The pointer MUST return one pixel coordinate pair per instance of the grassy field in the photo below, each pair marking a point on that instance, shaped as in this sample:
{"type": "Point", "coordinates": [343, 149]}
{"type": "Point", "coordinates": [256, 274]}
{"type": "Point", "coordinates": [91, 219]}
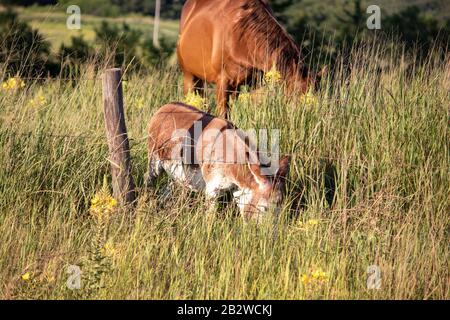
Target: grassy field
{"type": "Point", "coordinates": [51, 21]}
{"type": "Point", "coordinates": [370, 158]}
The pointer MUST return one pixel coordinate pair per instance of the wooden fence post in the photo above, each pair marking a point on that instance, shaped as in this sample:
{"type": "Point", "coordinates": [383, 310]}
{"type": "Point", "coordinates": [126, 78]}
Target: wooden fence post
{"type": "Point", "coordinates": [116, 133]}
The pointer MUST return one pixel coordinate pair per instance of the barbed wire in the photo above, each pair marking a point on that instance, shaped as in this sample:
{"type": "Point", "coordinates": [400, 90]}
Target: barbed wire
{"type": "Point", "coordinates": [60, 136]}
{"type": "Point", "coordinates": [57, 79]}
{"type": "Point", "coordinates": [255, 89]}
{"type": "Point", "coordinates": [141, 140]}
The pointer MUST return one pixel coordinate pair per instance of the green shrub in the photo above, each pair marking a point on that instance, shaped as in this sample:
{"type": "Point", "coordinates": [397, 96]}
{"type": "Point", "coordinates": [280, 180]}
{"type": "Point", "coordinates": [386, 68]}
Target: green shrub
{"type": "Point", "coordinates": [102, 8]}
{"type": "Point", "coordinates": [23, 50]}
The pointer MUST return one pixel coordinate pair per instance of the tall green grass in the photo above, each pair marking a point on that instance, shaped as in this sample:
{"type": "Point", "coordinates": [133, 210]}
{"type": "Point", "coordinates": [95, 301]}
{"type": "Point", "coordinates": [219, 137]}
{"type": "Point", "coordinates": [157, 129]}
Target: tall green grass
{"type": "Point", "coordinates": [370, 164]}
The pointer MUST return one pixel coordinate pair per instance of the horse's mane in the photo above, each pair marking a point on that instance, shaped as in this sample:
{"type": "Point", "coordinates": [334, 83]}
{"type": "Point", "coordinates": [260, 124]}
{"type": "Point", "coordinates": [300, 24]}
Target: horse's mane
{"type": "Point", "coordinates": [258, 23]}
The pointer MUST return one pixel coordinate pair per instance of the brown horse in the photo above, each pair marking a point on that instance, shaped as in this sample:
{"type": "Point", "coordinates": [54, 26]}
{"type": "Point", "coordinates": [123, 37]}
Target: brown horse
{"type": "Point", "coordinates": [226, 41]}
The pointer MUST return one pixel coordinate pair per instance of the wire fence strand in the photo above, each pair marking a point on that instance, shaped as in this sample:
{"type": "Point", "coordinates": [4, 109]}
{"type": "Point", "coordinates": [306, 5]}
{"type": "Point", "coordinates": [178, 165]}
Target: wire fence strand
{"type": "Point", "coordinates": [254, 90]}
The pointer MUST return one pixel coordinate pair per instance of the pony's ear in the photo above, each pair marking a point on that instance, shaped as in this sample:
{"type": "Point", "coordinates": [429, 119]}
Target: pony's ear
{"type": "Point", "coordinates": [283, 168]}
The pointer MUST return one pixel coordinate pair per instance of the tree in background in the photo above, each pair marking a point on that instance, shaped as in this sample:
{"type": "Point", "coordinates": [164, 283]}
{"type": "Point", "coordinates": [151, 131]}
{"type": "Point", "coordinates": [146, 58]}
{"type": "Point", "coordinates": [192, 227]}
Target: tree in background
{"type": "Point", "coordinates": [123, 40]}
{"type": "Point", "coordinates": [129, 48]}
{"type": "Point", "coordinates": [354, 19]}
{"type": "Point", "coordinates": [73, 56]}
{"type": "Point", "coordinates": [417, 30]}
{"type": "Point", "coordinates": [324, 28]}
{"type": "Point", "coordinates": [152, 56]}
{"type": "Point", "coordinates": [23, 50]}
{"type": "Point", "coordinates": [79, 51]}
{"type": "Point", "coordinates": [103, 8]}
{"type": "Point", "coordinates": [28, 2]}
{"type": "Point", "coordinates": [170, 9]}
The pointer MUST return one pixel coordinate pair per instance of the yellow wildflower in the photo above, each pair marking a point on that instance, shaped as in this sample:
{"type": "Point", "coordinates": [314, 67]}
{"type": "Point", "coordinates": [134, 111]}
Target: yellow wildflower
{"type": "Point", "coordinates": [272, 77]}
{"type": "Point", "coordinates": [37, 102]}
{"type": "Point", "coordinates": [244, 97]}
{"type": "Point", "coordinates": [109, 249]}
{"type": "Point", "coordinates": [50, 270]}
{"type": "Point", "coordinates": [309, 99]}
{"type": "Point", "coordinates": [319, 275]}
{"type": "Point", "coordinates": [47, 277]}
{"type": "Point", "coordinates": [308, 224]}
{"type": "Point", "coordinates": [102, 205]}
{"type": "Point", "coordinates": [195, 100]}
{"type": "Point", "coordinates": [26, 276]}
{"type": "Point", "coordinates": [305, 279]}
{"type": "Point", "coordinates": [140, 103]}
{"type": "Point", "coordinates": [13, 84]}
{"type": "Point", "coordinates": [314, 279]}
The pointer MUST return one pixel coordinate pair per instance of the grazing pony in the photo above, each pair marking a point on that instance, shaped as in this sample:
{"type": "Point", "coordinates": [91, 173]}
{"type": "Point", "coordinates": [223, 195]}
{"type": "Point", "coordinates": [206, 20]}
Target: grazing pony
{"type": "Point", "coordinates": [226, 41]}
{"type": "Point", "coordinates": [205, 153]}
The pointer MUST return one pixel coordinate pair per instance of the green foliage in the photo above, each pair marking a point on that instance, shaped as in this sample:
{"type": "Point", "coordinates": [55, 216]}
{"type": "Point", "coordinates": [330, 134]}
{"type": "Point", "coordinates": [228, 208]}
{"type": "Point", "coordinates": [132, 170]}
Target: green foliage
{"type": "Point", "coordinates": [74, 56]}
{"type": "Point", "coordinates": [98, 7]}
{"type": "Point", "coordinates": [328, 27]}
{"type": "Point", "coordinates": [78, 52]}
{"type": "Point", "coordinates": [98, 263]}
{"type": "Point", "coordinates": [123, 40]}
{"type": "Point", "coordinates": [23, 50]}
{"type": "Point", "coordinates": [128, 47]}
{"type": "Point", "coordinates": [170, 9]}
{"type": "Point", "coordinates": [416, 29]}
{"type": "Point", "coordinates": [120, 45]}
{"type": "Point", "coordinates": [28, 2]}
{"type": "Point", "coordinates": [156, 56]}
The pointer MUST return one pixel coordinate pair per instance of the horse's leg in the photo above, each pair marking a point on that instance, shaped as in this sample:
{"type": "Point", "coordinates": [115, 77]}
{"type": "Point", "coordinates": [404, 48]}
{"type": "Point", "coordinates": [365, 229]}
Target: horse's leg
{"type": "Point", "coordinates": [199, 86]}
{"type": "Point", "coordinates": [193, 84]}
{"type": "Point", "coordinates": [166, 193]}
{"type": "Point", "coordinates": [212, 192]}
{"type": "Point", "coordinates": [189, 82]}
{"type": "Point", "coordinates": [154, 170]}
{"type": "Point", "coordinates": [223, 94]}
{"type": "Point", "coordinates": [234, 94]}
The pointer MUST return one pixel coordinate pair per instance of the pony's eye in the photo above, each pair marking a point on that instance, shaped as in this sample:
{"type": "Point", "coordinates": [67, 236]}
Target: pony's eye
{"type": "Point", "coordinates": [262, 208]}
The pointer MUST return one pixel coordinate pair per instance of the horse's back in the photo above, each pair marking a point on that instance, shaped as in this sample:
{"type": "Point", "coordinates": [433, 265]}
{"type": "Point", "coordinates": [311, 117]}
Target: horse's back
{"type": "Point", "coordinates": [212, 38]}
{"type": "Point", "coordinates": [197, 43]}
{"type": "Point", "coordinates": [177, 116]}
